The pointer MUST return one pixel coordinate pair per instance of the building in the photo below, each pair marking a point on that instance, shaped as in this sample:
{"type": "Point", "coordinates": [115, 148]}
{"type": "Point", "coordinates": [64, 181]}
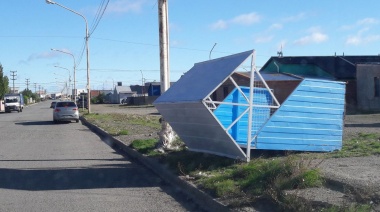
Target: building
{"type": "Point", "coordinates": [368, 87]}
{"type": "Point", "coordinates": [14, 89]}
{"type": "Point", "coordinates": [340, 68]}
{"type": "Point", "coordinates": [140, 90]}
{"type": "Point", "coordinates": [121, 93]}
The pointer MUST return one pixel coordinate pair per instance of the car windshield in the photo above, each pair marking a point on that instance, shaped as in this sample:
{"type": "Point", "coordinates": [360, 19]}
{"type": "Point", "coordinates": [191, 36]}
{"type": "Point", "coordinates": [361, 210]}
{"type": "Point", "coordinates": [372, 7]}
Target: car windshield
{"type": "Point", "coordinates": [11, 100]}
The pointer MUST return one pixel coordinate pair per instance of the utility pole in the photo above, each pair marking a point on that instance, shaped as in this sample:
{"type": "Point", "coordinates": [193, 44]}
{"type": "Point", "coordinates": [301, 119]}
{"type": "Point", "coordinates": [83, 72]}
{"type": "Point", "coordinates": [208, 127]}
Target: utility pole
{"type": "Point", "coordinates": [35, 88]}
{"type": "Point", "coordinates": [39, 90]}
{"type": "Point", "coordinates": [27, 84]}
{"type": "Point", "coordinates": [142, 83]}
{"type": "Point", "coordinates": [167, 134]}
{"type": "Point", "coordinates": [13, 75]}
{"type": "Point", "coordinates": [164, 44]}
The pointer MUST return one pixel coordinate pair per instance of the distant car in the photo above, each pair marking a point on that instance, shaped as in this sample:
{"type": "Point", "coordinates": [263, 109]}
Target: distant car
{"type": "Point", "coordinates": [52, 105]}
{"type": "Point", "coordinates": [65, 111]}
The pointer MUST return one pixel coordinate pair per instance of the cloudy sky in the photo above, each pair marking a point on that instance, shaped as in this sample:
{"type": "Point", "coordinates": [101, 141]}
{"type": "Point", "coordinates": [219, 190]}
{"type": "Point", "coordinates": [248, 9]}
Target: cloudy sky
{"type": "Point", "coordinates": [124, 46]}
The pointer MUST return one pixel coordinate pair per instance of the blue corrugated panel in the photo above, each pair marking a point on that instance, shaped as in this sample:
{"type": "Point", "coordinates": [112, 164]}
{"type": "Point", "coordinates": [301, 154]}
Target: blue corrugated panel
{"type": "Point", "coordinates": [311, 119]}
{"type": "Point", "coordinates": [226, 114]}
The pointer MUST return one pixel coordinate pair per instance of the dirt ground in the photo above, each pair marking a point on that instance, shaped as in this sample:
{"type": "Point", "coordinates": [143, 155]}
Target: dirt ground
{"type": "Point", "coordinates": [358, 173]}
{"type": "Point", "coordinates": [115, 108]}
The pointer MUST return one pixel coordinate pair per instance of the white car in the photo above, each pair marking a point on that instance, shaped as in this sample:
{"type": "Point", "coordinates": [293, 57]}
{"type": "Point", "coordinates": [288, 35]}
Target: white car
{"type": "Point", "coordinates": [66, 111]}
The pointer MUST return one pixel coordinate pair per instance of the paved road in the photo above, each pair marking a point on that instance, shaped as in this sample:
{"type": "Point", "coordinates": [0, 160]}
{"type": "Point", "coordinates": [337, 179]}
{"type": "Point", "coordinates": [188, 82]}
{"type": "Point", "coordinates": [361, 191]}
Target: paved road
{"type": "Point", "coordinates": [66, 167]}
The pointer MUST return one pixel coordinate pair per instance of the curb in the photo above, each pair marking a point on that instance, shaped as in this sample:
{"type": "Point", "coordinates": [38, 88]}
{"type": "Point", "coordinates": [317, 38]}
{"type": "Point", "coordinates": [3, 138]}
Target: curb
{"type": "Point", "coordinates": [204, 200]}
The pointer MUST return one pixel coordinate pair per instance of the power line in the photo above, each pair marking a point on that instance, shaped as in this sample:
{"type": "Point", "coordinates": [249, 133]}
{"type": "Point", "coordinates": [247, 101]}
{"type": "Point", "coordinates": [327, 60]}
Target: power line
{"type": "Point", "coordinates": [128, 70]}
{"type": "Point", "coordinates": [99, 16]}
{"type": "Point", "coordinates": [119, 41]}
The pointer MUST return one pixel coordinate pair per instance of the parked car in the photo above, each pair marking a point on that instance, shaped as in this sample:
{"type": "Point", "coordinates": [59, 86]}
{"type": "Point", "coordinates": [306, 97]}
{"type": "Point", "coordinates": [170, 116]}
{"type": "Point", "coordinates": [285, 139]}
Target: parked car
{"type": "Point", "coordinates": [52, 105]}
{"type": "Point", "coordinates": [66, 111]}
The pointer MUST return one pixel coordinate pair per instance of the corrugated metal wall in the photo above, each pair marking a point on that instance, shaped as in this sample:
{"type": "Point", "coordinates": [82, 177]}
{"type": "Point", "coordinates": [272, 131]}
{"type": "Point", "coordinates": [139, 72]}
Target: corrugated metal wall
{"type": "Point", "coordinates": [311, 119]}
{"type": "Point", "coordinates": [226, 114]}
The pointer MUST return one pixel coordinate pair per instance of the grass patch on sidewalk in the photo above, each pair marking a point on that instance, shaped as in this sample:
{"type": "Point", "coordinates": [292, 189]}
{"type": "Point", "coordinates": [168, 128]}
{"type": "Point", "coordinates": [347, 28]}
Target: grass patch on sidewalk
{"type": "Point", "coordinates": [145, 146]}
{"type": "Point", "coordinates": [124, 124]}
{"type": "Point", "coordinates": [265, 176]}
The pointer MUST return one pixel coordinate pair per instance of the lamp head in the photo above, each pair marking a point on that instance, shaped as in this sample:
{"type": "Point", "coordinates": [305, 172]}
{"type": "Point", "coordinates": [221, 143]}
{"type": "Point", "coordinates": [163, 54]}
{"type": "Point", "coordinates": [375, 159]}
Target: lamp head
{"type": "Point", "coordinates": [50, 2]}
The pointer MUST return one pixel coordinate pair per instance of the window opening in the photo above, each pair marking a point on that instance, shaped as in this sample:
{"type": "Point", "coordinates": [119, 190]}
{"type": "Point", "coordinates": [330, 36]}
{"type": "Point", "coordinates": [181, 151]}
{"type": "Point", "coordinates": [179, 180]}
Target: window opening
{"type": "Point", "coordinates": [377, 86]}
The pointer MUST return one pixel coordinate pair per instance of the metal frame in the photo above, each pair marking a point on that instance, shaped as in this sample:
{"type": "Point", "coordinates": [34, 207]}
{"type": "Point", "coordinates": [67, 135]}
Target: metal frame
{"type": "Point", "coordinates": [211, 104]}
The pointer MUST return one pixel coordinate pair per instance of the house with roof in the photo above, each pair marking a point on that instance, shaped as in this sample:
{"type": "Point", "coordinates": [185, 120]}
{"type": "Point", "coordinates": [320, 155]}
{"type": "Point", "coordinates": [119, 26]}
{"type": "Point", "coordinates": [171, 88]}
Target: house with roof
{"type": "Point", "coordinates": [154, 88]}
{"type": "Point", "coordinates": [121, 94]}
{"type": "Point", "coordinates": [107, 94]}
{"type": "Point", "coordinates": [361, 74]}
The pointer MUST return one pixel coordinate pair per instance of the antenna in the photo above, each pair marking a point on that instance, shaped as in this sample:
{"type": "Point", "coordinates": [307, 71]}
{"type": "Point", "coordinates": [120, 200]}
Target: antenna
{"type": "Point", "coordinates": [279, 53]}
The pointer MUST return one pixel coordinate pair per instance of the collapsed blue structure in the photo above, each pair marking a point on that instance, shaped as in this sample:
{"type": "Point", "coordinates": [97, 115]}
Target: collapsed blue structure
{"type": "Point", "coordinates": [310, 119]}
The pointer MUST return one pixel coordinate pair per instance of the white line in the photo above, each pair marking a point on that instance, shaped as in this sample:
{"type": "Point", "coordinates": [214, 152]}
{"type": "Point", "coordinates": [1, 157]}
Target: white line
{"type": "Point", "coordinates": [314, 97]}
{"type": "Point", "coordinates": [303, 117]}
{"type": "Point", "coordinates": [303, 128]}
{"type": "Point", "coordinates": [320, 108]}
{"type": "Point", "coordinates": [279, 138]}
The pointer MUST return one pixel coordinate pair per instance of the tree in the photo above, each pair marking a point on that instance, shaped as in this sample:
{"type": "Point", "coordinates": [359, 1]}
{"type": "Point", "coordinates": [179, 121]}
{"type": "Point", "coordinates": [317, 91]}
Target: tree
{"type": "Point", "coordinates": [29, 94]}
{"type": "Point", "coordinates": [100, 99]}
{"type": "Point", "coordinates": [4, 83]}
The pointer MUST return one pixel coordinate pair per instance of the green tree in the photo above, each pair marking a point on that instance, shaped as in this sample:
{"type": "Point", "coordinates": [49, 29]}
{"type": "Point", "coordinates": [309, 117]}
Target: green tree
{"type": "Point", "coordinates": [4, 83]}
{"type": "Point", "coordinates": [100, 99]}
{"type": "Point", "coordinates": [29, 94]}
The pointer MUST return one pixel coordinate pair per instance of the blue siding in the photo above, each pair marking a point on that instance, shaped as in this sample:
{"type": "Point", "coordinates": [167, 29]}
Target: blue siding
{"type": "Point", "coordinates": [311, 119]}
{"type": "Point", "coordinates": [226, 114]}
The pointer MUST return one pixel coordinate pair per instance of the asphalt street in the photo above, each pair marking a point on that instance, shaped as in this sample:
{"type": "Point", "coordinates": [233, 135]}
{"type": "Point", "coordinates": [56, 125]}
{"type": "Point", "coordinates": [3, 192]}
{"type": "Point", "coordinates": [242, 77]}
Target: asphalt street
{"type": "Point", "coordinates": [66, 167]}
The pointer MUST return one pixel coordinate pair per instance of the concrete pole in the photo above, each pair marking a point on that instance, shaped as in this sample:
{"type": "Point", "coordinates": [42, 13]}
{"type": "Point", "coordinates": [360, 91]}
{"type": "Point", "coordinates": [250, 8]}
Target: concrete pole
{"type": "Point", "coordinates": [167, 134]}
{"type": "Point", "coordinates": [164, 44]}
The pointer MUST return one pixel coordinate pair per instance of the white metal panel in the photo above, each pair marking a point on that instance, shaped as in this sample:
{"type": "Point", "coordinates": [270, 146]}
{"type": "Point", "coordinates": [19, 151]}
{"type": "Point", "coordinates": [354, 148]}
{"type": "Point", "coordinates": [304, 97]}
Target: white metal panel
{"type": "Point", "coordinates": [203, 78]}
{"type": "Point", "coordinates": [199, 129]}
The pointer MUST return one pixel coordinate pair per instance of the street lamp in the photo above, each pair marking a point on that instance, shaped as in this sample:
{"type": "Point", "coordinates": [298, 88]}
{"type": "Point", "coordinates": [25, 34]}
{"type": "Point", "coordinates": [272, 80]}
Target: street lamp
{"type": "Point", "coordinates": [87, 51]}
{"type": "Point", "coordinates": [69, 76]}
{"type": "Point", "coordinates": [64, 85]}
{"type": "Point", "coordinates": [75, 91]}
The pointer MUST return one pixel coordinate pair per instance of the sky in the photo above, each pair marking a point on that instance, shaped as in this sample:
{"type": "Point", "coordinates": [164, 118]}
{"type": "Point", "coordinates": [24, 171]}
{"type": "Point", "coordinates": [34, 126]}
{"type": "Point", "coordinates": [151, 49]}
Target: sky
{"type": "Point", "coordinates": [124, 44]}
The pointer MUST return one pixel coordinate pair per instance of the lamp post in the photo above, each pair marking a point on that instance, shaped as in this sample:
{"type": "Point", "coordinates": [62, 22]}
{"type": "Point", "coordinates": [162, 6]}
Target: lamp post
{"type": "Point", "coordinates": [69, 76]}
{"type": "Point", "coordinates": [87, 51]}
{"type": "Point", "coordinates": [64, 85]}
{"type": "Point", "coordinates": [75, 91]}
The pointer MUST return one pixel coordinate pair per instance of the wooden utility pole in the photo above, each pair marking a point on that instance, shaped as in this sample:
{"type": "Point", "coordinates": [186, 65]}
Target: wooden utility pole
{"type": "Point", "coordinates": [164, 44]}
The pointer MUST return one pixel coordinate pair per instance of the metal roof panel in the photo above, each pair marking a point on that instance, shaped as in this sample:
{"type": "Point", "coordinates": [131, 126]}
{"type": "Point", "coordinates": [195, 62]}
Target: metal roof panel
{"type": "Point", "coordinates": [203, 78]}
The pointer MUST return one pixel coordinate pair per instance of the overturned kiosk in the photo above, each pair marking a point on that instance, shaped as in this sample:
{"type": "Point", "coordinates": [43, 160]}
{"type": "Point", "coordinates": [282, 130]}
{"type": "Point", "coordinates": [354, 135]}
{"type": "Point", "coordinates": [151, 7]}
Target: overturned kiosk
{"type": "Point", "coordinates": [251, 117]}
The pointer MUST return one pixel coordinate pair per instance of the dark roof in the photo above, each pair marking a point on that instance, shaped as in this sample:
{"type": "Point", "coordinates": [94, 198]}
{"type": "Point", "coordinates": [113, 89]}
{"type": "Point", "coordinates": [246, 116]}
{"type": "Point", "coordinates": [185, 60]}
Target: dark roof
{"type": "Point", "coordinates": [336, 67]}
{"type": "Point", "coordinates": [271, 76]}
